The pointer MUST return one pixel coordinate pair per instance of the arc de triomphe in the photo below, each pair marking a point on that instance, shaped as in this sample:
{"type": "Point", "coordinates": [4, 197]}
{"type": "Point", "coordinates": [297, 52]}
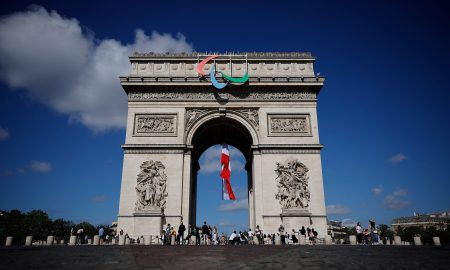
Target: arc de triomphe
{"type": "Point", "coordinates": [174, 115]}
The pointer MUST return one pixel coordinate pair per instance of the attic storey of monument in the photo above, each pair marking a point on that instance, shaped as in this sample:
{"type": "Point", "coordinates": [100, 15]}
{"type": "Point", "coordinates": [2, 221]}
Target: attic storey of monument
{"type": "Point", "coordinates": [174, 114]}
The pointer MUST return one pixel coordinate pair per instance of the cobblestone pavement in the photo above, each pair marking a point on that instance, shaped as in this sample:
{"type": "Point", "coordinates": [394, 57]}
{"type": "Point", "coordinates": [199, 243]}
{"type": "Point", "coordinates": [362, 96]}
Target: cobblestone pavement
{"type": "Point", "coordinates": [225, 257]}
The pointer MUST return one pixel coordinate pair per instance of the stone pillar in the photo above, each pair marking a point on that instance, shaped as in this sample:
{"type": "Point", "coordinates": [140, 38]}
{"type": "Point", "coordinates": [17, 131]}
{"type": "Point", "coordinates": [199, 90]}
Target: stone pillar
{"type": "Point", "coordinates": [193, 240]}
{"type": "Point", "coordinates": [96, 240]}
{"type": "Point", "coordinates": [277, 240]}
{"type": "Point", "coordinates": [50, 239]}
{"type": "Point", "coordinates": [113, 241]}
{"type": "Point", "coordinates": [89, 241]}
{"type": "Point", "coordinates": [172, 240]}
{"type": "Point", "coordinates": [72, 240]}
{"type": "Point", "coordinates": [436, 241]}
{"type": "Point", "coordinates": [29, 240]}
{"type": "Point", "coordinates": [302, 240]}
{"type": "Point", "coordinates": [127, 241]}
{"type": "Point", "coordinates": [9, 241]}
{"type": "Point", "coordinates": [328, 240]}
{"type": "Point", "coordinates": [397, 240]}
{"type": "Point", "coordinates": [388, 242]}
{"type": "Point", "coordinates": [121, 240]}
{"type": "Point", "coordinates": [417, 241]}
{"type": "Point", "coordinates": [352, 239]}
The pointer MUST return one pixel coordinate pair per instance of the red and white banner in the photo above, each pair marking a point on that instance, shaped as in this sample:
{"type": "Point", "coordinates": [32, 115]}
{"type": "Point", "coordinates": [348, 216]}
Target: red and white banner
{"type": "Point", "coordinates": [227, 191]}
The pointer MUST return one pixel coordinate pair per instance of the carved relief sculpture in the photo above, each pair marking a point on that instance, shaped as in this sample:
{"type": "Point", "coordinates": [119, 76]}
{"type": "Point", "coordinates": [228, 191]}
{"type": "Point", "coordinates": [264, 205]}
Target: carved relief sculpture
{"type": "Point", "coordinates": [293, 191]}
{"type": "Point", "coordinates": [289, 125]}
{"type": "Point", "coordinates": [155, 125]}
{"type": "Point", "coordinates": [151, 187]}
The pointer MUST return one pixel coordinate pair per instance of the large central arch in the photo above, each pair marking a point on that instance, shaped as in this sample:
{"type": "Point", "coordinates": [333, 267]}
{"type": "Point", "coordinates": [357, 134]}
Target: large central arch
{"type": "Point", "coordinates": [215, 129]}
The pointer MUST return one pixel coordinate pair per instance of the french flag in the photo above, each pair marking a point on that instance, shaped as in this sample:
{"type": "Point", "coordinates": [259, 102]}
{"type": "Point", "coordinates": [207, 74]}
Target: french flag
{"type": "Point", "coordinates": [227, 191]}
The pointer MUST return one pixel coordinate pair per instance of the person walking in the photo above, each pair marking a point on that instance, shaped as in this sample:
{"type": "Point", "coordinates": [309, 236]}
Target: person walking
{"type": "Point", "coordinates": [205, 232]}
{"type": "Point", "coordinates": [259, 235]}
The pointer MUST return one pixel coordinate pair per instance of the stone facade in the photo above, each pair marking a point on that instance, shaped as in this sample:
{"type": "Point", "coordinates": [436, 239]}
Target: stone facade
{"type": "Point", "coordinates": [274, 113]}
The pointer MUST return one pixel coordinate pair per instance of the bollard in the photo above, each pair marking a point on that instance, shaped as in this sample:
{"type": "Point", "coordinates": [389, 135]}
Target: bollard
{"type": "Point", "coordinates": [89, 241]}
{"type": "Point", "coordinates": [127, 241]}
{"type": "Point", "coordinates": [255, 240]}
{"type": "Point", "coordinates": [96, 240]}
{"type": "Point", "coordinates": [61, 242]}
{"type": "Point", "coordinates": [50, 240]}
{"type": "Point", "coordinates": [277, 240]}
{"type": "Point", "coordinates": [121, 240]}
{"type": "Point", "coordinates": [388, 242]}
{"type": "Point", "coordinates": [352, 239]}
{"type": "Point", "coordinates": [417, 241]}
{"type": "Point", "coordinates": [172, 240]}
{"type": "Point", "coordinates": [113, 241]}
{"type": "Point", "coordinates": [29, 240]}
{"type": "Point", "coordinates": [328, 240]}
{"type": "Point", "coordinates": [72, 240]}
{"type": "Point", "coordinates": [9, 240]}
{"type": "Point", "coordinates": [302, 240]}
{"type": "Point", "coordinates": [193, 240]}
{"type": "Point", "coordinates": [397, 240]}
{"type": "Point", "coordinates": [147, 240]}
{"type": "Point", "coordinates": [436, 241]}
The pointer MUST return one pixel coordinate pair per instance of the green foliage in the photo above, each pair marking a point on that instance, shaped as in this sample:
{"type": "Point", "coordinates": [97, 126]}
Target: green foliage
{"type": "Point", "coordinates": [385, 232]}
{"type": "Point", "coordinates": [37, 223]}
{"type": "Point", "coordinates": [426, 235]}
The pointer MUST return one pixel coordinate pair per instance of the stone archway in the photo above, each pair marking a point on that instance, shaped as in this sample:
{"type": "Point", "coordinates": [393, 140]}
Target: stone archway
{"type": "Point", "coordinates": [174, 115]}
{"type": "Point", "coordinates": [216, 128]}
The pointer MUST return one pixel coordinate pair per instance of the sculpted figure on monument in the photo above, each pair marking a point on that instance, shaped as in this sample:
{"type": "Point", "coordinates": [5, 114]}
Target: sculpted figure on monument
{"type": "Point", "coordinates": [151, 186]}
{"type": "Point", "coordinates": [292, 185]}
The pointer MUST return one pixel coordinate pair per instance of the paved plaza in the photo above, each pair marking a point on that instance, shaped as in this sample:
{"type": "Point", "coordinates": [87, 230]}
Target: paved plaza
{"type": "Point", "coordinates": [225, 257]}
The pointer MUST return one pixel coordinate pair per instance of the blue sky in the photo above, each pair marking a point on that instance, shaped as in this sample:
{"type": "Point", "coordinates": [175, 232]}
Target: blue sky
{"type": "Point", "coordinates": [383, 112]}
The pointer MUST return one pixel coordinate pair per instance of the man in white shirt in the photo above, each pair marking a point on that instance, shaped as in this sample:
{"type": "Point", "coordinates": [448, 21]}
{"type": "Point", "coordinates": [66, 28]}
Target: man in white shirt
{"type": "Point", "coordinates": [233, 238]}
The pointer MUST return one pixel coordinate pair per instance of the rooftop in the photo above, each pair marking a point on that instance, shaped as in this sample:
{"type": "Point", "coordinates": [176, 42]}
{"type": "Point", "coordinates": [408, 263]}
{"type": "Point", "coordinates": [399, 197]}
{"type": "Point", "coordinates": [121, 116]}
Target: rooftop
{"type": "Point", "coordinates": [248, 55]}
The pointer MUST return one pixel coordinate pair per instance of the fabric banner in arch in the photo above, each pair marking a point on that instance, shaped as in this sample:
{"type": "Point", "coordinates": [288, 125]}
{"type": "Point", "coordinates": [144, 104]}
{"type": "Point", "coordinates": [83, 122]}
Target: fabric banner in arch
{"type": "Point", "coordinates": [227, 191]}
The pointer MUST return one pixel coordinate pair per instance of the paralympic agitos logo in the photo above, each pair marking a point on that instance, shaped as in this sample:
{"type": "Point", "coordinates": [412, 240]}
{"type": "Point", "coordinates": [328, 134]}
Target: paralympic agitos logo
{"type": "Point", "coordinates": [212, 74]}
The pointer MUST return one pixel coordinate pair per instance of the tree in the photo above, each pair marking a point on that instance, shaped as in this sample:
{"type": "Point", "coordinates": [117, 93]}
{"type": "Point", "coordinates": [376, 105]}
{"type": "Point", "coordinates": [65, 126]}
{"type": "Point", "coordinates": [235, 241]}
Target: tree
{"type": "Point", "coordinates": [61, 228]}
{"type": "Point", "coordinates": [88, 228]}
{"type": "Point", "coordinates": [40, 225]}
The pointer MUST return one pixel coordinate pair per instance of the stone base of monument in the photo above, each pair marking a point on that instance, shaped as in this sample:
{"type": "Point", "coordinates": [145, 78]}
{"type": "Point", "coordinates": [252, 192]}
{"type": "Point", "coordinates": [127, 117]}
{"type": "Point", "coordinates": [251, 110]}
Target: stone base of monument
{"type": "Point", "coordinates": [302, 240]}
{"type": "Point", "coordinates": [29, 240]}
{"type": "Point", "coordinates": [148, 222]}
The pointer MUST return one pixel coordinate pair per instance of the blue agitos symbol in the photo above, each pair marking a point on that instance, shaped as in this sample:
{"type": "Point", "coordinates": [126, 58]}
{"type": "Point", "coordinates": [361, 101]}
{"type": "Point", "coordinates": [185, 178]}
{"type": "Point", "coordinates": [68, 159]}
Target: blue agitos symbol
{"type": "Point", "coordinates": [212, 74]}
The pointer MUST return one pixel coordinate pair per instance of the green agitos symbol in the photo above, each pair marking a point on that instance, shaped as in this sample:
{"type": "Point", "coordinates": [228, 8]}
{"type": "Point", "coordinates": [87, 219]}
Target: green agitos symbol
{"type": "Point", "coordinates": [212, 74]}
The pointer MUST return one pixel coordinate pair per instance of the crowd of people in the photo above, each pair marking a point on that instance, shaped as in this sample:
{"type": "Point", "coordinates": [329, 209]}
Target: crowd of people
{"type": "Point", "coordinates": [196, 235]}
{"type": "Point", "coordinates": [367, 236]}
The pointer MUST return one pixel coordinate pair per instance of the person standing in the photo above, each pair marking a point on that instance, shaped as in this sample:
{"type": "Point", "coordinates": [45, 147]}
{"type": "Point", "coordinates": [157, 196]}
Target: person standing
{"type": "Point", "coordinates": [181, 230]}
{"type": "Point", "coordinates": [205, 232]}
{"type": "Point", "coordinates": [359, 233]}
{"type": "Point", "coordinates": [281, 231]}
{"type": "Point", "coordinates": [258, 233]}
{"type": "Point", "coordinates": [101, 233]}
{"type": "Point", "coordinates": [215, 236]}
{"type": "Point", "coordinates": [303, 231]}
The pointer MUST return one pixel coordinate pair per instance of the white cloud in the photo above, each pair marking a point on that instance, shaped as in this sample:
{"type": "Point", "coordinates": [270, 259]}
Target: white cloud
{"type": "Point", "coordinates": [347, 222]}
{"type": "Point", "coordinates": [337, 209]}
{"type": "Point", "coordinates": [4, 134]}
{"type": "Point", "coordinates": [67, 69]}
{"type": "Point", "coordinates": [395, 201]}
{"type": "Point", "coordinates": [377, 190]}
{"type": "Point", "coordinates": [397, 158]}
{"type": "Point", "coordinates": [99, 198]}
{"type": "Point", "coordinates": [40, 166]}
{"type": "Point", "coordinates": [236, 205]}
{"type": "Point", "coordinates": [210, 160]}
